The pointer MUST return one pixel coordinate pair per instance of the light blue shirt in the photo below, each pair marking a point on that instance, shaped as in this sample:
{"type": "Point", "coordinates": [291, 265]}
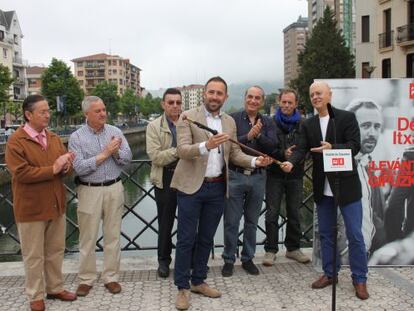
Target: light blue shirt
{"type": "Point", "coordinates": [86, 144]}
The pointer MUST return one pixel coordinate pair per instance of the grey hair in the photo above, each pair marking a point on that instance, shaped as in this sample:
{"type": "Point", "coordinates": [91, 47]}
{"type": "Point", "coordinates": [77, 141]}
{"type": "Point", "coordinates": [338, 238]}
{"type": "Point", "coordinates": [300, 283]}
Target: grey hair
{"type": "Point", "coordinates": [257, 87]}
{"type": "Point", "coordinates": [359, 103]}
{"type": "Point", "coordinates": [88, 100]}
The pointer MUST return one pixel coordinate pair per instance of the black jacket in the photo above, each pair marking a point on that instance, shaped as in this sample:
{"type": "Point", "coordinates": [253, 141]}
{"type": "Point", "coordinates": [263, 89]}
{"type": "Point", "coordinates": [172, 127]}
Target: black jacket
{"type": "Point", "coordinates": [347, 137]}
{"type": "Point", "coordinates": [286, 140]}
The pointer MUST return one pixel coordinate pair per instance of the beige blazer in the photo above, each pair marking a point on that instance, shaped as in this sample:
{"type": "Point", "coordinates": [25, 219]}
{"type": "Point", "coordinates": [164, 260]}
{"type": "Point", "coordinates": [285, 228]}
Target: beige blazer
{"type": "Point", "coordinates": [191, 168]}
{"type": "Point", "coordinates": [159, 150]}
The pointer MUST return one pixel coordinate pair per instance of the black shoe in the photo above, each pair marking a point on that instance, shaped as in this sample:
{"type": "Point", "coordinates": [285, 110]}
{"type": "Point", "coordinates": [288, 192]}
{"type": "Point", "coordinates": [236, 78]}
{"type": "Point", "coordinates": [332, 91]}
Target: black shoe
{"type": "Point", "coordinates": [227, 269]}
{"type": "Point", "coordinates": [250, 267]}
{"type": "Point", "coordinates": [163, 271]}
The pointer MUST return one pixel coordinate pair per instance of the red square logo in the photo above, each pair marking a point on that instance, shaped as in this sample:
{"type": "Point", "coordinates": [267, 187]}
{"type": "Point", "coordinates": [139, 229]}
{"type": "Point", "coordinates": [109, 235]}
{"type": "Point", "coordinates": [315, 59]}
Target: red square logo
{"type": "Point", "coordinates": [338, 161]}
{"type": "Point", "coordinates": [411, 90]}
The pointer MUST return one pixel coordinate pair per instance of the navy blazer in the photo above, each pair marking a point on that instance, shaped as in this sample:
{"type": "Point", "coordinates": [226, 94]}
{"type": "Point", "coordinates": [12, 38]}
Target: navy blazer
{"type": "Point", "coordinates": [347, 137]}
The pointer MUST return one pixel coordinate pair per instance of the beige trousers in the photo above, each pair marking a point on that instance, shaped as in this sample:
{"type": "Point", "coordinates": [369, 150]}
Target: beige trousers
{"type": "Point", "coordinates": [43, 246]}
{"type": "Point", "coordinates": [94, 204]}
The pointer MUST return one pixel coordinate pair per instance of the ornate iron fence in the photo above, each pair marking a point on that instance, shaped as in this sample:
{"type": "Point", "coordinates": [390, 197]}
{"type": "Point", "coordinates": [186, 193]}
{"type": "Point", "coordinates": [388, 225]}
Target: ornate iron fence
{"type": "Point", "coordinates": [140, 226]}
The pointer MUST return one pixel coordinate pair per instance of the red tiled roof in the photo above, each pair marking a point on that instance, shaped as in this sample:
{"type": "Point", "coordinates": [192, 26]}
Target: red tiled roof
{"type": "Point", "coordinates": [35, 70]}
{"type": "Point", "coordinates": [93, 57]}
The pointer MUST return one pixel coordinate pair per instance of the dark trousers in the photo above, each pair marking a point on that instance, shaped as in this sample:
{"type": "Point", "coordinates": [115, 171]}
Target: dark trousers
{"type": "Point", "coordinates": [166, 200]}
{"type": "Point", "coordinates": [198, 217]}
{"type": "Point", "coordinates": [276, 188]}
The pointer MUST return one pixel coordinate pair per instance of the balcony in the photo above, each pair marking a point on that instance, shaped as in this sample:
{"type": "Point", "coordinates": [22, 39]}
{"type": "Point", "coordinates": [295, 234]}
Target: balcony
{"type": "Point", "coordinates": [95, 75]}
{"type": "Point", "coordinates": [386, 41]}
{"type": "Point", "coordinates": [94, 65]}
{"type": "Point", "coordinates": [18, 81]}
{"type": "Point", "coordinates": [405, 35]}
{"type": "Point", "coordinates": [19, 62]}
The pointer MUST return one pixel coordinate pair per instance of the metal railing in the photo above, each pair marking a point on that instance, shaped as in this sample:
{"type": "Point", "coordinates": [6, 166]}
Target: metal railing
{"type": "Point", "coordinates": [140, 213]}
{"type": "Point", "coordinates": [386, 39]}
{"type": "Point", "coordinates": [405, 33]}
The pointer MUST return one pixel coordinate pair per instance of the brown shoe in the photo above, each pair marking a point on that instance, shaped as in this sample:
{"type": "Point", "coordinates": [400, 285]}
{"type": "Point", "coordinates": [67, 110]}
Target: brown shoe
{"type": "Point", "coordinates": [113, 287]}
{"type": "Point", "coordinates": [183, 299]}
{"type": "Point", "coordinates": [37, 305]}
{"type": "Point", "coordinates": [322, 282]}
{"type": "Point", "coordinates": [205, 290]}
{"type": "Point", "coordinates": [83, 290]}
{"type": "Point", "coordinates": [361, 290]}
{"type": "Point", "coordinates": [63, 295]}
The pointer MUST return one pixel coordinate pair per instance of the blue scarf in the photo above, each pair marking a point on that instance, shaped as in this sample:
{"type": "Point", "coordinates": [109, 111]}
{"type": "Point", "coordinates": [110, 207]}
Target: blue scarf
{"type": "Point", "coordinates": [287, 123]}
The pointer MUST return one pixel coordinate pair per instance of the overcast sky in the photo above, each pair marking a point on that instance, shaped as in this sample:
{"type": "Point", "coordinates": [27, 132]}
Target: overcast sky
{"type": "Point", "coordinates": [174, 42]}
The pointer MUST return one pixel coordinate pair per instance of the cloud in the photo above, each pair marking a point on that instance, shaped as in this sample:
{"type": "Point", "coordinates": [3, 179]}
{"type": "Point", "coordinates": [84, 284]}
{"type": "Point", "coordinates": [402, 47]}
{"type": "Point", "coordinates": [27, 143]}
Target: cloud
{"type": "Point", "coordinates": [174, 42]}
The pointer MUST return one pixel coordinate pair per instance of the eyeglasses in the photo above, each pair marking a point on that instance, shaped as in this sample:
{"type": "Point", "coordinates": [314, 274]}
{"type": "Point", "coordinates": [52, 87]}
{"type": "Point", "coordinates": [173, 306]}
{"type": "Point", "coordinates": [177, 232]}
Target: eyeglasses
{"type": "Point", "coordinates": [172, 102]}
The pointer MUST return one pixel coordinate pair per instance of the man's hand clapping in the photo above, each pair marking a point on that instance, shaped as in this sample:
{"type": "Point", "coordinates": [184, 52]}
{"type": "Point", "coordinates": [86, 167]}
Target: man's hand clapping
{"type": "Point", "coordinates": [63, 163]}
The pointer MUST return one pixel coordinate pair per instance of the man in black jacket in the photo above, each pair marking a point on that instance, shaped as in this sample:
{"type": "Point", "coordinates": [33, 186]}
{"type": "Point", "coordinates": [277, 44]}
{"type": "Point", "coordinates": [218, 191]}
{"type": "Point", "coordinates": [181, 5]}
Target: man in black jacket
{"type": "Point", "coordinates": [278, 183]}
{"type": "Point", "coordinates": [318, 135]}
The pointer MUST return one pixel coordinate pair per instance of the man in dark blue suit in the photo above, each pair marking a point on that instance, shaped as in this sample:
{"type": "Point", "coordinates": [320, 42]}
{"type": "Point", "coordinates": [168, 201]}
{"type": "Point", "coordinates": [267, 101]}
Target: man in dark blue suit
{"type": "Point", "coordinates": [318, 134]}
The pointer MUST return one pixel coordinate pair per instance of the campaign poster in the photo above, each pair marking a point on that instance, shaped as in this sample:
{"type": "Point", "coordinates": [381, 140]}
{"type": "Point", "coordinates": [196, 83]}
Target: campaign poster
{"type": "Point", "coordinates": [384, 109]}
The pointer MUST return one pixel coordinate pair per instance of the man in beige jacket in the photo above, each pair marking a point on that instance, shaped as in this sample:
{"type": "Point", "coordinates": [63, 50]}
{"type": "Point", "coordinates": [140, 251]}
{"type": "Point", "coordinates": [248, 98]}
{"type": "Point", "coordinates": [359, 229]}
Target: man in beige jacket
{"type": "Point", "coordinates": [200, 178]}
{"type": "Point", "coordinates": [162, 150]}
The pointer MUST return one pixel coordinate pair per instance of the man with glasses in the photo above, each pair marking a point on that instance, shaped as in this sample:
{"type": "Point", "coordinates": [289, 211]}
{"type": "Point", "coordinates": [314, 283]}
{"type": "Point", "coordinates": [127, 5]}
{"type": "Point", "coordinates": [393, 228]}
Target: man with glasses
{"type": "Point", "coordinates": [161, 141]}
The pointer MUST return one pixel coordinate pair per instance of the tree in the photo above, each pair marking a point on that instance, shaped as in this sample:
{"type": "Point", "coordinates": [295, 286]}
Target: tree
{"type": "Point", "coordinates": [58, 80]}
{"type": "Point", "coordinates": [149, 105]}
{"type": "Point", "coordinates": [5, 82]}
{"type": "Point", "coordinates": [325, 56]}
{"type": "Point", "coordinates": [108, 92]}
{"type": "Point", "coordinates": [129, 103]}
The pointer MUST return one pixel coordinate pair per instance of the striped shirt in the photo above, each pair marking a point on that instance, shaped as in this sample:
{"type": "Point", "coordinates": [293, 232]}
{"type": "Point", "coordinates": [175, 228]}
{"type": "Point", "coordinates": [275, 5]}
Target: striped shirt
{"type": "Point", "coordinates": [86, 144]}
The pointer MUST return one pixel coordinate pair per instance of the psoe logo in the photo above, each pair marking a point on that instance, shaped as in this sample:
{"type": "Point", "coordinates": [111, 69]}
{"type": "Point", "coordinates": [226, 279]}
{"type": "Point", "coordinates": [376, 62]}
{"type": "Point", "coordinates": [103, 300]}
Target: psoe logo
{"type": "Point", "coordinates": [411, 90]}
{"type": "Point", "coordinates": [338, 161]}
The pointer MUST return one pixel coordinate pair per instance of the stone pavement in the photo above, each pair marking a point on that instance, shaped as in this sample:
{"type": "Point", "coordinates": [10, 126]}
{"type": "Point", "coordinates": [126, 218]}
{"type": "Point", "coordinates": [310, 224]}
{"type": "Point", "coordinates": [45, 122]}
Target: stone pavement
{"type": "Point", "coordinates": [285, 286]}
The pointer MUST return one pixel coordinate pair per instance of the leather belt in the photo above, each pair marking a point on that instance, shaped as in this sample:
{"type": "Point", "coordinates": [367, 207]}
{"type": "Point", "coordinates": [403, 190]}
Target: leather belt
{"type": "Point", "coordinates": [214, 179]}
{"type": "Point", "coordinates": [245, 171]}
{"type": "Point", "coordinates": [99, 184]}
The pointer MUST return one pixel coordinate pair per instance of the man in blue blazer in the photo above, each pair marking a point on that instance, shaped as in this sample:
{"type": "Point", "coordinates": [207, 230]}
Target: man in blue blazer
{"type": "Point", "coordinates": [318, 134]}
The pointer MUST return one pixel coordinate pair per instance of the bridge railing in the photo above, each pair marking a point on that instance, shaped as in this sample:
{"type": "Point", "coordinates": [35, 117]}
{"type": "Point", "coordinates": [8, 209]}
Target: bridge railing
{"type": "Point", "coordinates": [140, 227]}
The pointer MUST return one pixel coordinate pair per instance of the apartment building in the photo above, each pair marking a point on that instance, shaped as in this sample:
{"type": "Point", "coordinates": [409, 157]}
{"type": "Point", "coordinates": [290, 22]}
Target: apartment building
{"type": "Point", "coordinates": [316, 9]}
{"type": "Point", "coordinates": [93, 69]}
{"type": "Point", "coordinates": [385, 39]}
{"type": "Point", "coordinates": [192, 95]}
{"type": "Point", "coordinates": [294, 39]}
{"type": "Point", "coordinates": [11, 53]}
{"type": "Point", "coordinates": [345, 17]}
{"type": "Point", "coordinates": [34, 81]}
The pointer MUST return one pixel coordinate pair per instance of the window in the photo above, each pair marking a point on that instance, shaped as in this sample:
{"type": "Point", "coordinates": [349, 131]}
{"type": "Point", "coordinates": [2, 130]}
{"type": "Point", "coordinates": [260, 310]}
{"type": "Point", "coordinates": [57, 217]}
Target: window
{"type": "Point", "coordinates": [365, 28]}
{"type": "Point", "coordinates": [1, 35]}
{"type": "Point", "coordinates": [80, 73]}
{"type": "Point", "coordinates": [109, 72]}
{"type": "Point", "coordinates": [114, 71]}
{"type": "Point", "coordinates": [16, 39]}
{"type": "Point", "coordinates": [386, 68]}
{"type": "Point", "coordinates": [80, 64]}
{"type": "Point", "coordinates": [4, 53]}
{"type": "Point", "coordinates": [410, 65]}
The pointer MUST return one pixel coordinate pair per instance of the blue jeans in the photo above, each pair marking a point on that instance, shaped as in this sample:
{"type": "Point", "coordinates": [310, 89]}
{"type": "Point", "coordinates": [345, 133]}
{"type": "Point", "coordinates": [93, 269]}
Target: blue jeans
{"type": "Point", "coordinates": [276, 189]}
{"type": "Point", "coordinates": [352, 215]}
{"type": "Point", "coordinates": [198, 217]}
{"type": "Point", "coordinates": [245, 198]}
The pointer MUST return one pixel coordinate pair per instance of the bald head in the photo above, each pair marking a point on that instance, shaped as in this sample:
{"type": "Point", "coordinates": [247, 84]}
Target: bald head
{"type": "Point", "coordinates": [320, 95]}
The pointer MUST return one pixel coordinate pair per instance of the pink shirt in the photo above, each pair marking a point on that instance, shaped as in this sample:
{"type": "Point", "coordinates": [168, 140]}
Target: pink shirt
{"type": "Point", "coordinates": [34, 134]}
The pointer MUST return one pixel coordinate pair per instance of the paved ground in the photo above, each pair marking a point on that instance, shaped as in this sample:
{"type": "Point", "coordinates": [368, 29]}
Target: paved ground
{"type": "Point", "coordinates": [285, 286]}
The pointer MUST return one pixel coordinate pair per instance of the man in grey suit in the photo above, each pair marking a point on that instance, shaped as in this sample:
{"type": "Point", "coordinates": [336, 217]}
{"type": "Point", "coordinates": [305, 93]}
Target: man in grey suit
{"type": "Point", "coordinates": [200, 178]}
